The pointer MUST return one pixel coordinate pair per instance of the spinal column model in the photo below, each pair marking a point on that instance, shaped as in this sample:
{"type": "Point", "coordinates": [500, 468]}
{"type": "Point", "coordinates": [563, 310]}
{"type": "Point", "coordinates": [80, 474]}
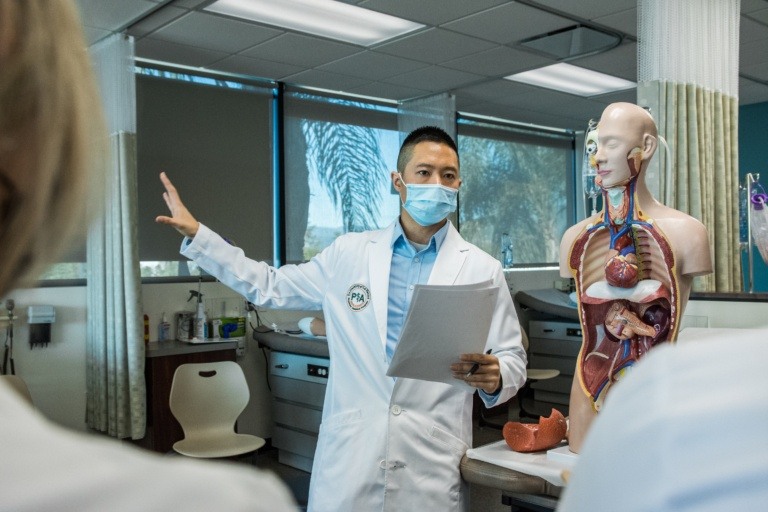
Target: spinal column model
{"type": "Point", "coordinates": [633, 263]}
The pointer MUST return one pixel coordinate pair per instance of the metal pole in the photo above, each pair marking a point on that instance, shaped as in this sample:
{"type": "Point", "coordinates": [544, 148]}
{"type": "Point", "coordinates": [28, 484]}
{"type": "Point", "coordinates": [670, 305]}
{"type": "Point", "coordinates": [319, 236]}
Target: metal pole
{"type": "Point", "coordinates": [751, 179]}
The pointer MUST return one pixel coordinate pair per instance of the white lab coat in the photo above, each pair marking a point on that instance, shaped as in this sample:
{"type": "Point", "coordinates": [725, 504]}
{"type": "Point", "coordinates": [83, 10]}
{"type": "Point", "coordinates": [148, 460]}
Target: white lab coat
{"type": "Point", "coordinates": [385, 444]}
{"type": "Point", "coordinates": [48, 467]}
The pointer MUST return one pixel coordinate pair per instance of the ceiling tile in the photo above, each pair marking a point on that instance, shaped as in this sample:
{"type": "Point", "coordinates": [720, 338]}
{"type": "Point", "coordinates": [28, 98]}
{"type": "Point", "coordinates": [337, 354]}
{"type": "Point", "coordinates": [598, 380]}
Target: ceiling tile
{"type": "Point", "coordinates": [748, 6]}
{"type": "Point", "coordinates": [526, 117]}
{"type": "Point", "coordinates": [499, 61]}
{"type": "Point", "coordinates": [434, 78]}
{"type": "Point", "coordinates": [761, 15]}
{"type": "Point", "coordinates": [624, 21]}
{"type": "Point", "coordinates": [752, 92]}
{"type": "Point", "coordinates": [589, 9]}
{"type": "Point", "coordinates": [751, 54]}
{"type": "Point", "coordinates": [190, 4]}
{"type": "Point", "coordinates": [325, 80]}
{"type": "Point", "coordinates": [758, 71]}
{"type": "Point", "coordinates": [509, 23]}
{"type": "Point", "coordinates": [430, 12]}
{"type": "Point", "coordinates": [434, 46]}
{"type": "Point", "coordinates": [301, 50]}
{"type": "Point", "coordinates": [156, 20]}
{"type": "Point", "coordinates": [620, 61]}
{"type": "Point", "coordinates": [113, 16]}
{"type": "Point", "coordinates": [155, 49]}
{"type": "Point", "coordinates": [465, 54]}
{"type": "Point", "coordinates": [389, 91]}
{"type": "Point", "coordinates": [215, 32]}
{"type": "Point", "coordinates": [372, 65]}
{"type": "Point", "coordinates": [465, 102]}
{"type": "Point", "coordinates": [630, 96]}
{"type": "Point", "coordinates": [258, 68]}
{"type": "Point", "coordinates": [499, 91]}
{"type": "Point", "coordinates": [93, 35]}
{"type": "Point", "coordinates": [750, 30]}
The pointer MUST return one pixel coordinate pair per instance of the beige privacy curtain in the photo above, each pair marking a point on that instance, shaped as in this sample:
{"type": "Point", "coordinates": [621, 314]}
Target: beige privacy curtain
{"type": "Point", "coordinates": [116, 396]}
{"type": "Point", "coordinates": [688, 76]}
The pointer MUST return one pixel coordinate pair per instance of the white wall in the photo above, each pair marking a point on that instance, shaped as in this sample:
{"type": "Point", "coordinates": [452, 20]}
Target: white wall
{"type": "Point", "coordinates": [56, 374]}
{"type": "Point", "coordinates": [520, 279]}
{"type": "Point", "coordinates": [722, 313]}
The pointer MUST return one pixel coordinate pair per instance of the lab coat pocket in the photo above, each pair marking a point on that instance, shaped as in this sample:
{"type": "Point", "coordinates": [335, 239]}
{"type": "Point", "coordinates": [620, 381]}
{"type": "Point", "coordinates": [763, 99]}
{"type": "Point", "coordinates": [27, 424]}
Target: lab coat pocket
{"type": "Point", "coordinates": [339, 420]}
{"type": "Point", "coordinates": [456, 445]}
{"type": "Point", "coordinates": [342, 453]}
{"type": "Point", "coordinates": [444, 478]}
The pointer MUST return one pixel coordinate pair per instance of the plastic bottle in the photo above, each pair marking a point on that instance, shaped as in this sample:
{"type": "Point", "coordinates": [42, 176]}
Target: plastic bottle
{"type": "Point", "coordinates": [200, 322]}
{"type": "Point", "coordinates": [163, 329]}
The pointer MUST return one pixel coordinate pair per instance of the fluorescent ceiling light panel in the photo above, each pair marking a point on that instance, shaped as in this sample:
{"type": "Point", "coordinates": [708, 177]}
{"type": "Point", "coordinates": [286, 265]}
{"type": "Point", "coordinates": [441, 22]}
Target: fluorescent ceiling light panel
{"type": "Point", "coordinates": [572, 79]}
{"type": "Point", "coordinates": [328, 18]}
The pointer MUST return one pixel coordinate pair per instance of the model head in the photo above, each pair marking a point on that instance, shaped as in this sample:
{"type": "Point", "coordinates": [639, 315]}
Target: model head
{"type": "Point", "coordinates": [627, 139]}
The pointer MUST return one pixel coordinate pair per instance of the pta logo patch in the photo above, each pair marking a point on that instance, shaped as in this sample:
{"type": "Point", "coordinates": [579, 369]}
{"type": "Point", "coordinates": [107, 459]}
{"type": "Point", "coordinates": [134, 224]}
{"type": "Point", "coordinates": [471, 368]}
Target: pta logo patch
{"type": "Point", "coordinates": [358, 297]}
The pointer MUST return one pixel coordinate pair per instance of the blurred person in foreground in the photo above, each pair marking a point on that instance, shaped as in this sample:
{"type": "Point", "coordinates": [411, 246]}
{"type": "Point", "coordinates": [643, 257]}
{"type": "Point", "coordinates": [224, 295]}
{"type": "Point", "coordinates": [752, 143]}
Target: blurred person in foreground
{"type": "Point", "coordinates": [685, 431]}
{"type": "Point", "coordinates": [51, 147]}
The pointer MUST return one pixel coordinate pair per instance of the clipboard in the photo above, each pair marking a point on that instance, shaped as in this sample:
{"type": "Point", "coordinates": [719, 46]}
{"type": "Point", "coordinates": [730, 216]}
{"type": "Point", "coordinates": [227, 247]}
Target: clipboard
{"type": "Point", "coordinates": [442, 323]}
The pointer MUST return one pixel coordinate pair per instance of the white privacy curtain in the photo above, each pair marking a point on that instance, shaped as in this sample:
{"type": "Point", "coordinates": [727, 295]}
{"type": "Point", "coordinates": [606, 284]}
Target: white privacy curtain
{"type": "Point", "coordinates": [116, 394]}
{"type": "Point", "coordinates": [688, 56]}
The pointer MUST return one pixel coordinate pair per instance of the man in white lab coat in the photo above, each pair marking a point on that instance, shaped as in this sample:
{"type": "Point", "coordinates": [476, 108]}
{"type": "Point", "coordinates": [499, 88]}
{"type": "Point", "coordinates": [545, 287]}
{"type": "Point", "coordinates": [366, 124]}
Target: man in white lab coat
{"type": "Point", "coordinates": [384, 443]}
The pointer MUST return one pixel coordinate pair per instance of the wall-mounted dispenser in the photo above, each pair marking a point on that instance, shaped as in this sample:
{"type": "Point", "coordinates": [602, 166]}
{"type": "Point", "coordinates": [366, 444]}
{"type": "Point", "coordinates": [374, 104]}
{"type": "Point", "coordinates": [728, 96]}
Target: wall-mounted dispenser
{"type": "Point", "coordinates": [40, 320]}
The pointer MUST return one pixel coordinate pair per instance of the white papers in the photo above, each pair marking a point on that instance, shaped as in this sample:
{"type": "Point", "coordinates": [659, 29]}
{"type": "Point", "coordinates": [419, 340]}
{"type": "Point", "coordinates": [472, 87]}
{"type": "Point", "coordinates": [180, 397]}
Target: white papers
{"type": "Point", "coordinates": [535, 463]}
{"type": "Point", "coordinates": [442, 323]}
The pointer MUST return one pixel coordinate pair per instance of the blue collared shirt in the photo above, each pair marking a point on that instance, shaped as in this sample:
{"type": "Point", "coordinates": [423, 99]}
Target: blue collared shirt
{"type": "Point", "coordinates": [410, 266]}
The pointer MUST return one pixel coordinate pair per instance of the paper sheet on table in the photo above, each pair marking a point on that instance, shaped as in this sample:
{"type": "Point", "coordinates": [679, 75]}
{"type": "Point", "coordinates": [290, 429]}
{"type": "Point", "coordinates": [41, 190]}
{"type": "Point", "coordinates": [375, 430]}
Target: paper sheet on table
{"type": "Point", "coordinates": [536, 464]}
{"type": "Point", "coordinates": [442, 323]}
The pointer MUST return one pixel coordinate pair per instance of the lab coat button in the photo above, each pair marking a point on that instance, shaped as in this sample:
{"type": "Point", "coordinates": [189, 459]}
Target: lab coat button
{"type": "Point", "coordinates": [410, 287]}
{"type": "Point", "coordinates": [383, 464]}
{"type": "Point", "coordinates": [396, 409]}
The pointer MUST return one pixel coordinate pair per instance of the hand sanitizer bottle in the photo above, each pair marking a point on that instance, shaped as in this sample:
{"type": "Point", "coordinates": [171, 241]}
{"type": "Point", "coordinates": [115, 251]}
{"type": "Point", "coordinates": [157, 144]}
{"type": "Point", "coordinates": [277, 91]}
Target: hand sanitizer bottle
{"type": "Point", "coordinates": [163, 329]}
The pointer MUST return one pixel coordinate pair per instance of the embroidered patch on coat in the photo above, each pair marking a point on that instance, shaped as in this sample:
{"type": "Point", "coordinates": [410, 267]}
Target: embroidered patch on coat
{"type": "Point", "coordinates": [358, 297]}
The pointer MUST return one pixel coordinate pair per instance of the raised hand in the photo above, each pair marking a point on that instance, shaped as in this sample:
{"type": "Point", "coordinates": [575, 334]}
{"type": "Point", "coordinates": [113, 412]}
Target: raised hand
{"type": "Point", "coordinates": [180, 218]}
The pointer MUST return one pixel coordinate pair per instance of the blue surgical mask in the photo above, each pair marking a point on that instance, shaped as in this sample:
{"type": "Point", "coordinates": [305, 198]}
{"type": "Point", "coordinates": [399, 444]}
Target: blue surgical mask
{"type": "Point", "coordinates": [428, 204]}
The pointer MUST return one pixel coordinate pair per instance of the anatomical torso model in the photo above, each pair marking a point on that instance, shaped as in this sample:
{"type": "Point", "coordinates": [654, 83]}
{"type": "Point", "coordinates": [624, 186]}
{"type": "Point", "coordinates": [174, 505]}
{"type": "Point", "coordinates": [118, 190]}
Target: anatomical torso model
{"type": "Point", "coordinates": [633, 263]}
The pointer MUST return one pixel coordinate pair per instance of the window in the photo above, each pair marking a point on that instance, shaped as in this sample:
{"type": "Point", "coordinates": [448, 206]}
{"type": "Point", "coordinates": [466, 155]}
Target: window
{"type": "Point", "coordinates": [517, 182]}
{"type": "Point", "coordinates": [213, 136]}
{"type": "Point", "coordinates": [338, 157]}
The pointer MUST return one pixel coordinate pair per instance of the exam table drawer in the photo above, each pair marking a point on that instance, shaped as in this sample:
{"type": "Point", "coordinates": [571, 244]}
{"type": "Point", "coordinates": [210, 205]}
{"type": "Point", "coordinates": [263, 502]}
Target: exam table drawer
{"type": "Point", "coordinates": [554, 345]}
{"type": "Point", "coordinates": [298, 385]}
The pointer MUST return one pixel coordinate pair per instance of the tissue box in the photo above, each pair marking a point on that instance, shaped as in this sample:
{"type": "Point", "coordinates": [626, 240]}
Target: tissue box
{"type": "Point", "coordinates": [232, 327]}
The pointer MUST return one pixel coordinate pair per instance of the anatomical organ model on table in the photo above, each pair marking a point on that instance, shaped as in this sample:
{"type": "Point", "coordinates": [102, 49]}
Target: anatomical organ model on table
{"type": "Point", "coordinates": [633, 263]}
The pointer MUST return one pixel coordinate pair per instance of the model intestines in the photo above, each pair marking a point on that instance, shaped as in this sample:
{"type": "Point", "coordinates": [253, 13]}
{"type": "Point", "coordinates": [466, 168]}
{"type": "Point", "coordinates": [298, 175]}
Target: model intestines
{"type": "Point", "coordinates": [624, 271]}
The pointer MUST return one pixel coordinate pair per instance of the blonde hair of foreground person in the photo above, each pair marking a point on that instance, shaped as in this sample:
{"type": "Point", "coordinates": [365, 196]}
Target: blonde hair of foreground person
{"type": "Point", "coordinates": [51, 138]}
{"type": "Point", "coordinates": [51, 135]}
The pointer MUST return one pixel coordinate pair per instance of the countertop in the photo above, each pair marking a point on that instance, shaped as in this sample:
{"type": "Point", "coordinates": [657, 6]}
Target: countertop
{"type": "Point", "coordinates": [175, 347]}
{"type": "Point", "coordinates": [297, 344]}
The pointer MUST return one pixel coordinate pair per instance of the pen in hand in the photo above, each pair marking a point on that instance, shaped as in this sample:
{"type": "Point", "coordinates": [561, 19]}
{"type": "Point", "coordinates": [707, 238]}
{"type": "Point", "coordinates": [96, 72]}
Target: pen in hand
{"type": "Point", "coordinates": [476, 366]}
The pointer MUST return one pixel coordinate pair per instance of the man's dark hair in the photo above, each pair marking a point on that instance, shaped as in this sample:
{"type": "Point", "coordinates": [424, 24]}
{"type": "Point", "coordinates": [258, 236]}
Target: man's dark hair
{"type": "Point", "coordinates": [423, 134]}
